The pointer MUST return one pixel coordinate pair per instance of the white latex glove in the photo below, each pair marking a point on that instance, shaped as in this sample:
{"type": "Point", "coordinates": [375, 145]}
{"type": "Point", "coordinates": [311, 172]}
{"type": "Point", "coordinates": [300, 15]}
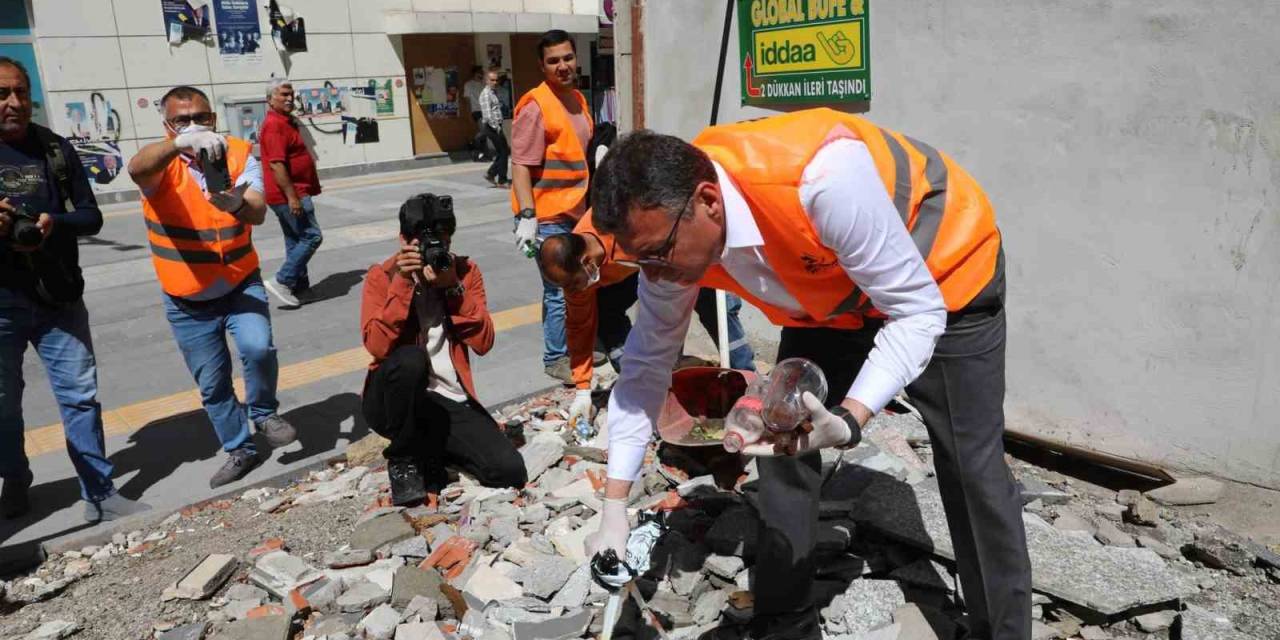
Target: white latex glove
{"type": "Point", "coordinates": [826, 430]}
{"type": "Point", "coordinates": [582, 406]}
{"type": "Point", "coordinates": [200, 139]}
{"type": "Point", "coordinates": [229, 201]}
{"type": "Point", "coordinates": [526, 232]}
{"type": "Point", "coordinates": [613, 531]}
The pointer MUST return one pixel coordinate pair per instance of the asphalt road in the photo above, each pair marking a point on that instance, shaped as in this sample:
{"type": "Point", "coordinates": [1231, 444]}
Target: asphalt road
{"type": "Point", "coordinates": [163, 446]}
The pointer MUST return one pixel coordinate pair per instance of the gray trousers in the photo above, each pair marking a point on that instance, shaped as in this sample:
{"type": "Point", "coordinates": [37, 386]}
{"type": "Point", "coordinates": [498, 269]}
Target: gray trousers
{"type": "Point", "coordinates": [960, 396]}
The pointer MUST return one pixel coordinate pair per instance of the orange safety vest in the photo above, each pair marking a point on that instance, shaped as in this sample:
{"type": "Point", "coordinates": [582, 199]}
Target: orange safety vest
{"type": "Point", "coordinates": [560, 183]}
{"type": "Point", "coordinates": [193, 243]}
{"type": "Point", "coordinates": [945, 211]}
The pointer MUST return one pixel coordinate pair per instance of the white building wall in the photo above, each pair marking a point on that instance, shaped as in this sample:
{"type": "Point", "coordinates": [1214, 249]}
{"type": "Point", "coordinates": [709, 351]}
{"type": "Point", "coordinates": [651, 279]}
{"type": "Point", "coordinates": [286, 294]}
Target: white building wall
{"type": "Point", "coordinates": [118, 48]}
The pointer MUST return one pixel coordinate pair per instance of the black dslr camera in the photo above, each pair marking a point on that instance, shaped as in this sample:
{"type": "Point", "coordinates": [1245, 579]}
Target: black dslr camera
{"type": "Point", "coordinates": [427, 217]}
{"type": "Point", "coordinates": [25, 232]}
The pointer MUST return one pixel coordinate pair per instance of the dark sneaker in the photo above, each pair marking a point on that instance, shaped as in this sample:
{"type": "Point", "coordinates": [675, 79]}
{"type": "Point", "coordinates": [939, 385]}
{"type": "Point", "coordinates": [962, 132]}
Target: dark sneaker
{"type": "Point", "coordinates": [277, 430]}
{"type": "Point", "coordinates": [14, 501]}
{"type": "Point", "coordinates": [239, 463]}
{"type": "Point", "coordinates": [560, 370]}
{"type": "Point", "coordinates": [112, 508]}
{"type": "Point", "coordinates": [407, 489]}
{"type": "Point", "coordinates": [802, 625]}
{"type": "Point", "coordinates": [491, 180]}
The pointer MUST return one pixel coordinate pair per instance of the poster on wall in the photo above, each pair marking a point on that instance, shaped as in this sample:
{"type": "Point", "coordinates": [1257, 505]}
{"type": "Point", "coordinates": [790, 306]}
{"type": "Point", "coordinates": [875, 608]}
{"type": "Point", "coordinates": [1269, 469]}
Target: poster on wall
{"type": "Point", "coordinates": [244, 117]}
{"type": "Point", "coordinates": [438, 94]}
{"type": "Point", "coordinates": [383, 100]}
{"type": "Point", "coordinates": [93, 128]}
{"type": "Point", "coordinates": [239, 34]}
{"type": "Point", "coordinates": [810, 52]}
{"type": "Point", "coordinates": [323, 101]}
{"type": "Point", "coordinates": [493, 52]}
{"type": "Point", "coordinates": [183, 22]}
{"type": "Point", "coordinates": [288, 29]}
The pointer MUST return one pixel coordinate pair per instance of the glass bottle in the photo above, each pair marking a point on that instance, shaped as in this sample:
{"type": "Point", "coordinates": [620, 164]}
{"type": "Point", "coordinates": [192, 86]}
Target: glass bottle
{"type": "Point", "coordinates": [790, 379]}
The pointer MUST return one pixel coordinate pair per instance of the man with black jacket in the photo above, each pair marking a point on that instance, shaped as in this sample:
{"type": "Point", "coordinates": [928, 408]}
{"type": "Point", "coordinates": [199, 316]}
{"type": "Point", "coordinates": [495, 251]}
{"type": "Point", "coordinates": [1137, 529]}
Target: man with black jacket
{"type": "Point", "coordinates": [42, 183]}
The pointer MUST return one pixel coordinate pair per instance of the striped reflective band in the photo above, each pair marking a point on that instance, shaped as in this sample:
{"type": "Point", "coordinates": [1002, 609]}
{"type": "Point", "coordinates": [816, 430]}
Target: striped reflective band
{"type": "Point", "coordinates": [934, 203]}
{"type": "Point", "coordinates": [554, 183]}
{"type": "Point", "coordinates": [901, 176]}
{"type": "Point", "coordinates": [204, 235]}
{"type": "Point", "coordinates": [190, 256]}
{"type": "Point", "coordinates": [565, 165]}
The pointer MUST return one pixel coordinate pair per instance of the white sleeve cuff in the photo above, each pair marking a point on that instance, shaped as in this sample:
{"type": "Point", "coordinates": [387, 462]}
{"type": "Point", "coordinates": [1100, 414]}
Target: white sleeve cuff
{"type": "Point", "coordinates": [874, 387]}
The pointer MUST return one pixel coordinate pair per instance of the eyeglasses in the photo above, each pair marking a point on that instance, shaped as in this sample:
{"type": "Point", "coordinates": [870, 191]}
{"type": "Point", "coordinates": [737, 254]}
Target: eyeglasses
{"type": "Point", "coordinates": [662, 256]}
{"type": "Point", "coordinates": [202, 118]}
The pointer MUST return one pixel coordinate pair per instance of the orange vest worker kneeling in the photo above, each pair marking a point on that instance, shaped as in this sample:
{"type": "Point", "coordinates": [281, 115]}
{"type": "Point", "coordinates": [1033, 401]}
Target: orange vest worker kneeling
{"type": "Point", "coordinates": [202, 250]}
{"type": "Point", "coordinates": [880, 258]}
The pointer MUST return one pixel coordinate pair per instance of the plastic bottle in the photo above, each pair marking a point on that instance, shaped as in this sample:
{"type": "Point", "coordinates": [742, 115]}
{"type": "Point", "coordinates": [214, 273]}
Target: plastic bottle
{"type": "Point", "coordinates": [789, 380]}
{"type": "Point", "coordinates": [744, 425]}
{"type": "Point", "coordinates": [530, 249]}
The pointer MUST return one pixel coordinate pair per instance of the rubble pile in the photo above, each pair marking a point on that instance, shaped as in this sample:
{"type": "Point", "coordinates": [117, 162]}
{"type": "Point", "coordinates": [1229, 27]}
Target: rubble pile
{"type": "Point", "coordinates": [505, 564]}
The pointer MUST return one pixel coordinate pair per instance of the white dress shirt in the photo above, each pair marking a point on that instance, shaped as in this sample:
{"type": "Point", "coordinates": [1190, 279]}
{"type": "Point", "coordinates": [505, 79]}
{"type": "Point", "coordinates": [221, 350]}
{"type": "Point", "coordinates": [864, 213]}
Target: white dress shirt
{"type": "Point", "coordinates": [843, 195]}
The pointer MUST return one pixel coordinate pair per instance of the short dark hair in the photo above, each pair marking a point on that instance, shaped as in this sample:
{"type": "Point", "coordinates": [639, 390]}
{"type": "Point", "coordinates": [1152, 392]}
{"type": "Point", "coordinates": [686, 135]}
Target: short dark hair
{"type": "Point", "coordinates": [22, 69]}
{"type": "Point", "coordinates": [646, 169]}
{"type": "Point", "coordinates": [563, 251]}
{"type": "Point", "coordinates": [553, 38]}
{"type": "Point", "coordinates": [183, 92]}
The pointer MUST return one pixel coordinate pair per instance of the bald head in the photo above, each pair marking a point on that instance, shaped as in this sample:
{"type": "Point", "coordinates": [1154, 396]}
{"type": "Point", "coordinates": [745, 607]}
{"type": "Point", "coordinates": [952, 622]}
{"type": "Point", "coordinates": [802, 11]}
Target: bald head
{"type": "Point", "coordinates": [562, 258]}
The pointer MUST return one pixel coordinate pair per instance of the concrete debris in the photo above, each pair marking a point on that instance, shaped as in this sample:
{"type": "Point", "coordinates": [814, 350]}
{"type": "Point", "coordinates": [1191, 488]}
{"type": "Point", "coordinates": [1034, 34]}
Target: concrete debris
{"type": "Point", "coordinates": [1108, 580]}
{"type": "Point", "coordinates": [1036, 489]}
{"type": "Point", "coordinates": [279, 572]}
{"type": "Point", "coordinates": [1155, 621]}
{"type": "Point", "coordinates": [1197, 623]}
{"type": "Point", "coordinates": [264, 628]}
{"type": "Point", "coordinates": [381, 531]}
{"type": "Point", "coordinates": [541, 453]}
{"type": "Point", "coordinates": [1188, 491]}
{"type": "Point", "coordinates": [865, 605]}
{"type": "Point", "coordinates": [380, 624]}
{"type": "Point", "coordinates": [507, 564]}
{"type": "Point", "coordinates": [348, 558]}
{"type": "Point", "coordinates": [53, 630]}
{"type": "Point", "coordinates": [205, 578]}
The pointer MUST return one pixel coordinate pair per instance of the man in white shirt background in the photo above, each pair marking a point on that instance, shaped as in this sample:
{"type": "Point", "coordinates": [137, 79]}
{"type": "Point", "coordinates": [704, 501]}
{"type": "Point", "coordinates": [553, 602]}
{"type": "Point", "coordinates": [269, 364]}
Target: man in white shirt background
{"type": "Point", "coordinates": [881, 259]}
{"type": "Point", "coordinates": [471, 91]}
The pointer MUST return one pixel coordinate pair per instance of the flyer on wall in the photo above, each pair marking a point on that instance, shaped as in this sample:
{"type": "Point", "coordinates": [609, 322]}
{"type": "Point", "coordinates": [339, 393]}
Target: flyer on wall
{"type": "Point", "coordinates": [183, 22]}
{"type": "Point", "coordinates": [239, 32]}
{"type": "Point", "coordinates": [93, 128]}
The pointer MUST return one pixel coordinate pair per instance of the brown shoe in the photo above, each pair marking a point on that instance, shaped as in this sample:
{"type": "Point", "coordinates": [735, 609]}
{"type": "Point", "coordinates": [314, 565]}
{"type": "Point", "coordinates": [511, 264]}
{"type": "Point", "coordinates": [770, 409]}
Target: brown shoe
{"type": "Point", "coordinates": [560, 370]}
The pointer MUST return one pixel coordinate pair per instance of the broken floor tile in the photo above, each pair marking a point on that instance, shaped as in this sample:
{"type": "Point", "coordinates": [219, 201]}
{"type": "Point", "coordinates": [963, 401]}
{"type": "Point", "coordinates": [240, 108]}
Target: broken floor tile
{"type": "Point", "coordinates": [265, 628]}
{"type": "Point", "coordinates": [927, 573]}
{"type": "Point", "coordinates": [572, 625]}
{"type": "Point", "coordinates": [279, 572]}
{"type": "Point", "coordinates": [546, 575]}
{"type": "Point", "coordinates": [1106, 579]}
{"type": "Point", "coordinates": [1197, 623]}
{"type": "Point", "coordinates": [361, 596]}
{"type": "Point", "coordinates": [1188, 491]}
{"type": "Point", "coordinates": [542, 453]}
{"type": "Point", "coordinates": [380, 624]}
{"type": "Point", "coordinates": [1036, 489]}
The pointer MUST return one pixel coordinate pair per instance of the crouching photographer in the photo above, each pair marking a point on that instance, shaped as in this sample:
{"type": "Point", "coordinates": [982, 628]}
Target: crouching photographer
{"type": "Point", "coordinates": [423, 312]}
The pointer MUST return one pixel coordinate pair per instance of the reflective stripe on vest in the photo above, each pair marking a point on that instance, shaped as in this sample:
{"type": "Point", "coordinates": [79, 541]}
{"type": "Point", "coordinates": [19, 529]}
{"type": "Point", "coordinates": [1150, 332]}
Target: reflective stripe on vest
{"type": "Point", "coordinates": [560, 182]}
{"type": "Point", "coordinates": [945, 211]}
{"type": "Point", "coordinates": [194, 244]}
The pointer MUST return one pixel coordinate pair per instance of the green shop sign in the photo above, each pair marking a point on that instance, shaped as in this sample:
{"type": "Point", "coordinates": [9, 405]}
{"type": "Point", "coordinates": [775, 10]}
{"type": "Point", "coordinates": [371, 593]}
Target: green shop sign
{"type": "Point", "coordinates": [803, 51]}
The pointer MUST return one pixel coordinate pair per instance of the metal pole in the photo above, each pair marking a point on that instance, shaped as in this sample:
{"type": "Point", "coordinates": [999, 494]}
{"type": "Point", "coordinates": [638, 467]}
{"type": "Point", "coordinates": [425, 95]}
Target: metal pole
{"type": "Point", "coordinates": [722, 306]}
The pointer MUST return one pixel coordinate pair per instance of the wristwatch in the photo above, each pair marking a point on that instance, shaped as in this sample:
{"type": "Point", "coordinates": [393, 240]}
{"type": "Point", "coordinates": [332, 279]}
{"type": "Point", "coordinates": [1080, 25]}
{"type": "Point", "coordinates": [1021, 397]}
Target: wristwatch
{"type": "Point", "coordinates": [855, 430]}
{"type": "Point", "coordinates": [527, 214]}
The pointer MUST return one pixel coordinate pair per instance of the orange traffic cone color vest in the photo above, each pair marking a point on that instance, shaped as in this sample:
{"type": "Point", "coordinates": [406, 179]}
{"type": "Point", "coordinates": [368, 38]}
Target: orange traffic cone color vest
{"type": "Point", "coordinates": [945, 211]}
{"type": "Point", "coordinates": [561, 182]}
{"type": "Point", "coordinates": [193, 243]}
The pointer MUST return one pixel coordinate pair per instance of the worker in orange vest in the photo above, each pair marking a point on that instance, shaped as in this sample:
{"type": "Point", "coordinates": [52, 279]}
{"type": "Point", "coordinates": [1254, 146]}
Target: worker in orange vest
{"type": "Point", "coordinates": [202, 251]}
{"type": "Point", "coordinates": [599, 282]}
{"type": "Point", "coordinates": [549, 137]}
{"type": "Point", "coordinates": [880, 258]}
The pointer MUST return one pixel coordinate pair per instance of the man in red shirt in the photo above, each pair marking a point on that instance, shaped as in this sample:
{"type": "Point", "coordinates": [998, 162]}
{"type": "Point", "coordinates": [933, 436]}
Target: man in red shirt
{"type": "Point", "coordinates": [291, 181]}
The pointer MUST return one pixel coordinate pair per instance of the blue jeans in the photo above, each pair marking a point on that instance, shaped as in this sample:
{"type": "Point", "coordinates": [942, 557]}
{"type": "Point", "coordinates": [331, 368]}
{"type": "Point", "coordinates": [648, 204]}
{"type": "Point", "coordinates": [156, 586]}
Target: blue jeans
{"type": "Point", "coordinates": [553, 342]}
{"type": "Point", "coordinates": [301, 239]}
{"type": "Point", "coordinates": [741, 356]}
{"type": "Point", "coordinates": [62, 340]}
{"type": "Point", "coordinates": [200, 329]}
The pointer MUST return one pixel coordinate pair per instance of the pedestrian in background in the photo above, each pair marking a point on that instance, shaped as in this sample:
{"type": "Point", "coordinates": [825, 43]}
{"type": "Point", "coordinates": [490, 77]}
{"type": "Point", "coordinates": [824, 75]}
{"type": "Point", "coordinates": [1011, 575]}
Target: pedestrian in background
{"type": "Point", "coordinates": [491, 110]}
{"type": "Point", "coordinates": [471, 91]}
{"type": "Point", "coordinates": [291, 181]}
{"type": "Point", "coordinates": [202, 250]}
{"type": "Point", "coordinates": [550, 134]}
{"type": "Point", "coordinates": [41, 301]}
